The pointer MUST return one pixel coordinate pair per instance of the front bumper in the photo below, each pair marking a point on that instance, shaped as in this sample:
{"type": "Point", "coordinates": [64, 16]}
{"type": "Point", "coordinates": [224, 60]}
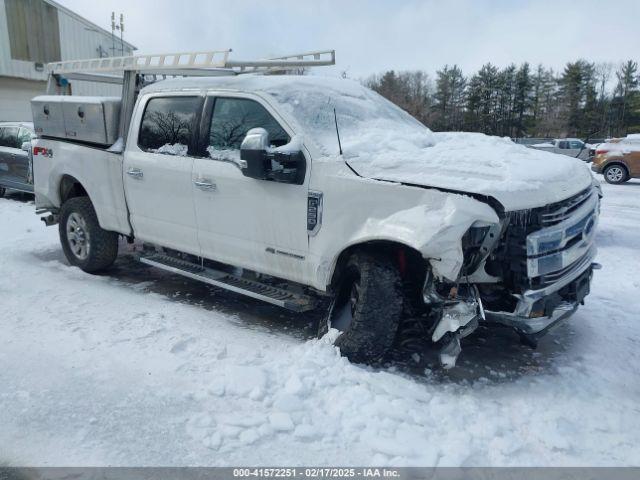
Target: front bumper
{"type": "Point", "coordinates": [539, 310]}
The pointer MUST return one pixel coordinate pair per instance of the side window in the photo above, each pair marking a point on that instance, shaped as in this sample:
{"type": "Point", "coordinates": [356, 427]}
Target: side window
{"type": "Point", "coordinates": [232, 118]}
{"type": "Point", "coordinates": [167, 125]}
{"type": "Point", "coordinates": [24, 136]}
{"type": "Point", "coordinates": [9, 137]}
{"type": "Point", "coordinates": [575, 144]}
{"type": "Point", "coordinates": [563, 145]}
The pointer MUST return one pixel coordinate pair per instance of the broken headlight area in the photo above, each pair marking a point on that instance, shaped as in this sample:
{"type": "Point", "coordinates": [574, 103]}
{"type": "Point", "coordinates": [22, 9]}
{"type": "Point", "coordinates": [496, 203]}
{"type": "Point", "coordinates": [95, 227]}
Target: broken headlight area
{"type": "Point", "coordinates": [477, 243]}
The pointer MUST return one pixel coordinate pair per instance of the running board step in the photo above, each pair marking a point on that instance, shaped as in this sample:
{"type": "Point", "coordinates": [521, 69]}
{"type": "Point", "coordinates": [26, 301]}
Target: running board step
{"type": "Point", "coordinates": [250, 288]}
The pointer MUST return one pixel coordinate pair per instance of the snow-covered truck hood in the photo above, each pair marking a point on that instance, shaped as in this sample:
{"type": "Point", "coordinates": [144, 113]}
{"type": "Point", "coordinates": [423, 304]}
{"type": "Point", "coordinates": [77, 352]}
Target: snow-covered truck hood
{"type": "Point", "coordinates": [517, 176]}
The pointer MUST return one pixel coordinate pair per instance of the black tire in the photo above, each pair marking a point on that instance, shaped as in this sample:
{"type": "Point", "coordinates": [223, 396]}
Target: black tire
{"type": "Point", "coordinates": [375, 312]}
{"type": "Point", "coordinates": [2, 191]}
{"type": "Point", "coordinates": [78, 221]}
{"type": "Point", "coordinates": [615, 174]}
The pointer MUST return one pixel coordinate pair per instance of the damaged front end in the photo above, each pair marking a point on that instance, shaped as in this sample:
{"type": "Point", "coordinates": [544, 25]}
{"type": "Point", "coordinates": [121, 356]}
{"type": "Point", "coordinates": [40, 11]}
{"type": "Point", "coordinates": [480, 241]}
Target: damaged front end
{"type": "Point", "coordinates": [528, 272]}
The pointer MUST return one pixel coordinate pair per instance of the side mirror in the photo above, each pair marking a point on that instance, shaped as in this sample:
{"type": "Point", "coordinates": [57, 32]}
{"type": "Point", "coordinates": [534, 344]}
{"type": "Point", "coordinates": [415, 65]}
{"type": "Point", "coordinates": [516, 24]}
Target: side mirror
{"type": "Point", "coordinates": [257, 160]}
{"type": "Point", "coordinates": [26, 146]}
{"type": "Point", "coordinates": [254, 160]}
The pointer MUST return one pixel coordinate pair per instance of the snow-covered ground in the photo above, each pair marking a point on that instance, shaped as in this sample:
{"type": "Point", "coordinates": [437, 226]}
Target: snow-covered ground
{"type": "Point", "coordinates": [136, 367]}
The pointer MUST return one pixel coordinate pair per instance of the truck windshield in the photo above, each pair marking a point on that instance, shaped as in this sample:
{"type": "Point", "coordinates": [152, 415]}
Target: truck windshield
{"type": "Point", "coordinates": [367, 121]}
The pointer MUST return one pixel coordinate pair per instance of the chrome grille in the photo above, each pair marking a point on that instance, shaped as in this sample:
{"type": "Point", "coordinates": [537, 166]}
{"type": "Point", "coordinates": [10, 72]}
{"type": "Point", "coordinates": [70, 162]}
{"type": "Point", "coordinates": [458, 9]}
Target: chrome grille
{"type": "Point", "coordinates": [566, 209]}
{"type": "Point", "coordinates": [567, 237]}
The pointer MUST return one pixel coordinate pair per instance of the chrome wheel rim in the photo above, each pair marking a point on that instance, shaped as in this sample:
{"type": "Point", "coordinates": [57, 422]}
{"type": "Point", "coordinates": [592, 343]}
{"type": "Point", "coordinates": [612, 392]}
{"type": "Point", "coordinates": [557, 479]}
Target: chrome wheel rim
{"type": "Point", "coordinates": [344, 314]}
{"type": "Point", "coordinates": [615, 174]}
{"type": "Point", "coordinates": [78, 236]}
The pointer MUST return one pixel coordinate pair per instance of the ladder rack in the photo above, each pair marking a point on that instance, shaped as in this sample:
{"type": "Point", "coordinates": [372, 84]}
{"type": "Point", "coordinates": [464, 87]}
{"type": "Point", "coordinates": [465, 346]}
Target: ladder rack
{"type": "Point", "coordinates": [136, 71]}
{"type": "Point", "coordinates": [190, 63]}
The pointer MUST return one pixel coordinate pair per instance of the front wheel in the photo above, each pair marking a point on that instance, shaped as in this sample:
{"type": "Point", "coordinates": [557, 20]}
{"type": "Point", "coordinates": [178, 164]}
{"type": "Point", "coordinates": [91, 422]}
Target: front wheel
{"type": "Point", "coordinates": [366, 309]}
{"type": "Point", "coordinates": [615, 174]}
{"type": "Point", "coordinates": [2, 191]}
{"type": "Point", "coordinates": [86, 245]}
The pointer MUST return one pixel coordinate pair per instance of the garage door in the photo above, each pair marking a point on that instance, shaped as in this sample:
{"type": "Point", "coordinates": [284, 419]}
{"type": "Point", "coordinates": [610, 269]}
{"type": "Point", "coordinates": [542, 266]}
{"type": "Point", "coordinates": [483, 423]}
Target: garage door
{"type": "Point", "coordinates": [15, 97]}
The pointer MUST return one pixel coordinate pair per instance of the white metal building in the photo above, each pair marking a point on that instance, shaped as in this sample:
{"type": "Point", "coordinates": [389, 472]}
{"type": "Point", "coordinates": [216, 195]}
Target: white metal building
{"type": "Point", "coordinates": [36, 32]}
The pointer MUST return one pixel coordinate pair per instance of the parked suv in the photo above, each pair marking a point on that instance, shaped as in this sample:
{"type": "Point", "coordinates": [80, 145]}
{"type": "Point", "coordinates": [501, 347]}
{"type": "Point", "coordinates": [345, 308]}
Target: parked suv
{"type": "Point", "coordinates": [318, 195]}
{"type": "Point", "coordinates": [16, 167]}
{"type": "Point", "coordinates": [618, 159]}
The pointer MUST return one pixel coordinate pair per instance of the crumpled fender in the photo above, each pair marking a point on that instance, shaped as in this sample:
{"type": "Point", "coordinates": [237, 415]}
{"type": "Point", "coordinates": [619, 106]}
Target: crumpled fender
{"type": "Point", "coordinates": [435, 231]}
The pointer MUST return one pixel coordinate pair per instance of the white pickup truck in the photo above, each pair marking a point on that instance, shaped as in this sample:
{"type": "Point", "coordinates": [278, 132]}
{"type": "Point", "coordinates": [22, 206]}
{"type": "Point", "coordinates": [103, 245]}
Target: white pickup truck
{"type": "Point", "coordinates": [316, 193]}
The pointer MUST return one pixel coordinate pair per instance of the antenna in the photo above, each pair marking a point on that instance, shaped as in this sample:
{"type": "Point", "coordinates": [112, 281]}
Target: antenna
{"type": "Point", "coordinates": [113, 37]}
{"type": "Point", "coordinates": [121, 34]}
{"type": "Point", "coordinates": [335, 118]}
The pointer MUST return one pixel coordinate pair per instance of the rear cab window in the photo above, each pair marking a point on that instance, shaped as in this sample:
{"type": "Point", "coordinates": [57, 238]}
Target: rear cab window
{"type": "Point", "coordinates": [231, 119]}
{"type": "Point", "coordinates": [168, 124]}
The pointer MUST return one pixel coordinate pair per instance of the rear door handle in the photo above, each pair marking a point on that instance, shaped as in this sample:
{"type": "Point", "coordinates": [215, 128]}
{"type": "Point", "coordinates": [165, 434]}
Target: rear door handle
{"type": "Point", "coordinates": [135, 173]}
{"type": "Point", "coordinates": [204, 184]}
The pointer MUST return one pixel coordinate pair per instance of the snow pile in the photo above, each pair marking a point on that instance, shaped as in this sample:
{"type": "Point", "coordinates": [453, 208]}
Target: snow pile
{"type": "Point", "coordinates": [633, 137]}
{"type": "Point", "coordinates": [112, 370]}
{"type": "Point", "coordinates": [519, 177]}
{"type": "Point", "coordinates": [227, 154]}
{"type": "Point", "coordinates": [177, 149]}
{"type": "Point", "coordinates": [631, 143]}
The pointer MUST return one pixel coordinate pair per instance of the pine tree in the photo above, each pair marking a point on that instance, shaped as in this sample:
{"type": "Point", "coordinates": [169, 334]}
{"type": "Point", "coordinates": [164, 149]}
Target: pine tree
{"type": "Point", "coordinates": [625, 93]}
{"type": "Point", "coordinates": [577, 94]}
{"type": "Point", "coordinates": [522, 101]}
{"type": "Point", "coordinates": [449, 98]}
{"type": "Point", "coordinates": [517, 102]}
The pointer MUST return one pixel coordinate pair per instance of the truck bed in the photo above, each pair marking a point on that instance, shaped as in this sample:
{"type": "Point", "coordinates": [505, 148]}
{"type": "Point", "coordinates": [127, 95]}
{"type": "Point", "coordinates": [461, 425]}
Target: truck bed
{"type": "Point", "coordinates": [98, 171]}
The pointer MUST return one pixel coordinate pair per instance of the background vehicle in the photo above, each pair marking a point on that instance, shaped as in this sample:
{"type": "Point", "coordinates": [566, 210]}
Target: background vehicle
{"type": "Point", "coordinates": [618, 159]}
{"type": "Point", "coordinates": [573, 147]}
{"type": "Point", "coordinates": [16, 170]}
{"type": "Point", "coordinates": [317, 193]}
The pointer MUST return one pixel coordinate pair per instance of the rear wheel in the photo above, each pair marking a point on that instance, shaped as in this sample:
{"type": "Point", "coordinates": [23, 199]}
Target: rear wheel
{"type": "Point", "coordinates": [366, 309]}
{"type": "Point", "coordinates": [86, 245]}
{"type": "Point", "coordinates": [615, 174]}
{"type": "Point", "coordinates": [2, 191]}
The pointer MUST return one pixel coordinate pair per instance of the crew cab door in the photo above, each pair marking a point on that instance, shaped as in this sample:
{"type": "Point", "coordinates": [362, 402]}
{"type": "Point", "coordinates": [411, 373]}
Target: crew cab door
{"type": "Point", "coordinates": [255, 224]}
{"type": "Point", "coordinates": [158, 168]}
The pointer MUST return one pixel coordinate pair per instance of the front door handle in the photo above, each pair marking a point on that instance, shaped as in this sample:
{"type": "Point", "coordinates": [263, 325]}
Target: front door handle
{"type": "Point", "coordinates": [135, 173]}
{"type": "Point", "coordinates": [204, 184]}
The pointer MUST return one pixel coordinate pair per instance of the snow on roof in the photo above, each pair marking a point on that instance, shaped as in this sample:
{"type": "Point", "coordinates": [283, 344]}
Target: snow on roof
{"type": "Point", "coordinates": [255, 82]}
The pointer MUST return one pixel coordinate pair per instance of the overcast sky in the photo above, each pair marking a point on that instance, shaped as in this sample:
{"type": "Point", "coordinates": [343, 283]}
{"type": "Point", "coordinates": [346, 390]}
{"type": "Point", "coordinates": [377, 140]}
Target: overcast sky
{"type": "Point", "coordinates": [372, 36]}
